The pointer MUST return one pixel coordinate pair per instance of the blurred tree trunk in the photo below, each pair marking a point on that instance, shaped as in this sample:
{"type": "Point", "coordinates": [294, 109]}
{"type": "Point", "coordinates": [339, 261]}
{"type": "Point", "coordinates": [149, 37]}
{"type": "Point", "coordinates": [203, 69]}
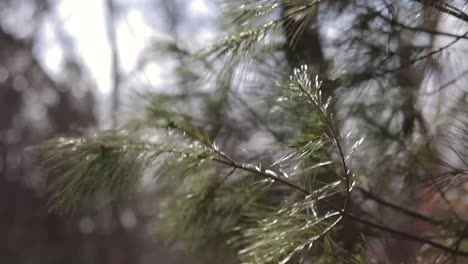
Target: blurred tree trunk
{"type": "Point", "coordinates": [410, 80]}
{"type": "Point", "coordinates": [303, 41]}
{"type": "Point", "coordinates": [33, 108]}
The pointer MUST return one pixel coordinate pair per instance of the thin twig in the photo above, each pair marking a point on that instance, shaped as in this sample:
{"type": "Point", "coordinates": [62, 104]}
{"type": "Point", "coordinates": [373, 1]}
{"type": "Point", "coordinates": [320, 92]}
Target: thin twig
{"type": "Point", "coordinates": [334, 136]}
{"type": "Point", "coordinates": [399, 208]}
{"type": "Point", "coordinates": [422, 57]}
{"type": "Point", "coordinates": [419, 29]}
{"type": "Point", "coordinates": [224, 159]}
{"type": "Point", "coordinates": [234, 164]}
{"type": "Point", "coordinates": [447, 84]}
{"type": "Point", "coordinates": [457, 243]}
{"type": "Point", "coordinates": [448, 9]}
{"type": "Point", "coordinates": [407, 236]}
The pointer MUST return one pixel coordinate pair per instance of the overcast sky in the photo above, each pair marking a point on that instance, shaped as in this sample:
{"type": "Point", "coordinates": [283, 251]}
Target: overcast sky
{"type": "Point", "coordinates": [139, 22]}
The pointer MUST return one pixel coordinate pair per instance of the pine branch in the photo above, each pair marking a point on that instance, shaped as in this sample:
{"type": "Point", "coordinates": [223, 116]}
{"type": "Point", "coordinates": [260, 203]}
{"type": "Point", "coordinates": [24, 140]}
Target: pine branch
{"type": "Point", "coordinates": [249, 41]}
{"type": "Point", "coordinates": [445, 8]}
{"type": "Point", "coordinates": [408, 212]}
{"type": "Point", "coordinates": [111, 162]}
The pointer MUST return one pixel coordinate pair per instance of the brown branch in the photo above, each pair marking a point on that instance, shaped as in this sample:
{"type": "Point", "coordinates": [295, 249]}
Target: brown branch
{"type": "Point", "coordinates": [407, 236]}
{"type": "Point", "coordinates": [336, 140]}
{"type": "Point", "coordinates": [225, 159]}
{"type": "Point", "coordinates": [422, 57]}
{"type": "Point", "coordinates": [447, 84]}
{"type": "Point", "coordinates": [419, 29]}
{"type": "Point", "coordinates": [448, 9]}
{"type": "Point", "coordinates": [457, 243]}
{"type": "Point", "coordinates": [234, 164]}
{"type": "Point", "coordinates": [399, 208]}
{"type": "Point", "coordinates": [395, 22]}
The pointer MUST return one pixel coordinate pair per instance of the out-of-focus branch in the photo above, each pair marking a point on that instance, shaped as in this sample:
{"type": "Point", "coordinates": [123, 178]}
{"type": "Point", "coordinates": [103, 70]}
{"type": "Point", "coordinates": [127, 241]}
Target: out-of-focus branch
{"type": "Point", "coordinates": [445, 8]}
{"type": "Point", "coordinates": [115, 59]}
{"type": "Point", "coordinates": [225, 159]}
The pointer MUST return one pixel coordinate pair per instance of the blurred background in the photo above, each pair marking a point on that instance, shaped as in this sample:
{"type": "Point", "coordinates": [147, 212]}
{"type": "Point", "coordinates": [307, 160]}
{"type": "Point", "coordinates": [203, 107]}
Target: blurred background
{"type": "Point", "coordinates": [64, 67]}
{"type": "Point", "coordinates": [71, 67]}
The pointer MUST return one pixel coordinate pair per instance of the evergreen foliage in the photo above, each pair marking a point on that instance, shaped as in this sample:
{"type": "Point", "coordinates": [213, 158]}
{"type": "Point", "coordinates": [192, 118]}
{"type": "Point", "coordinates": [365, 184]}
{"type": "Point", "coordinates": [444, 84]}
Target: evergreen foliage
{"type": "Point", "coordinates": [301, 200]}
